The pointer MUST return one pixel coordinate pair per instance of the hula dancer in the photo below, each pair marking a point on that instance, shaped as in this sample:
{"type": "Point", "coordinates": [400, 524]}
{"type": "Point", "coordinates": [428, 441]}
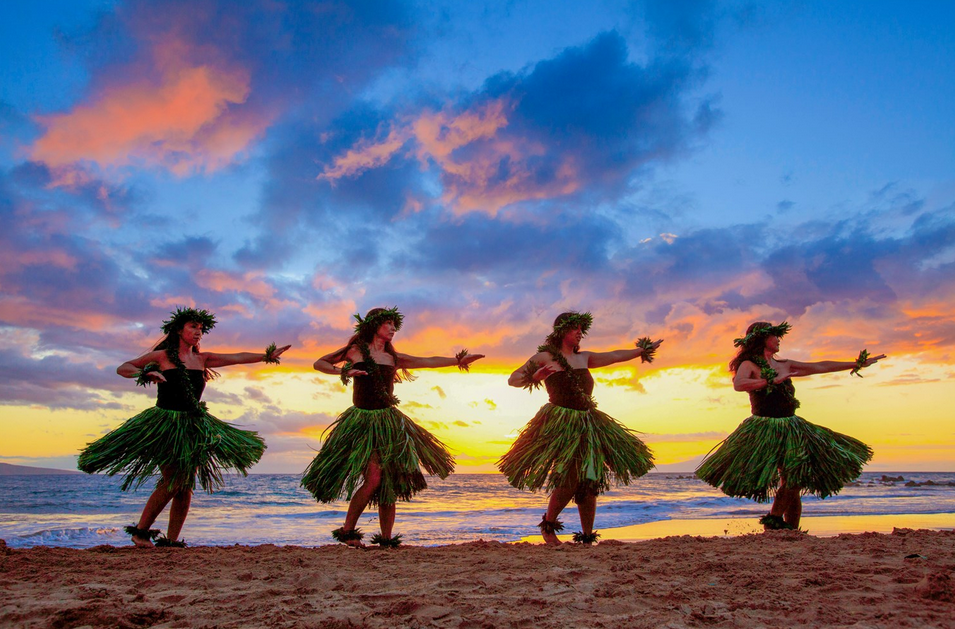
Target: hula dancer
{"type": "Point", "coordinates": [775, 452]}
{"type": "Point", "coordinates": [177, 438]}
{"type": "Point", "coordinates": [374, 452]}
{"type": "Point", "coordinates": [570, 448]}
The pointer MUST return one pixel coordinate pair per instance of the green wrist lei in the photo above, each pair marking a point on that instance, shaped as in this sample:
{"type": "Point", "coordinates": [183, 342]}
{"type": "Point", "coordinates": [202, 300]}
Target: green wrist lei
{"type": "Point", "coordinates": [348, 366]}
{"type": "Point", "coordinates": [270, 357]}
{"type": "Point", "coordinates": [528, 376]}
{"type": "Point", "coordinates": [767, 373]}
{"type": "Point", "coordinates": [141, 378]}
{"type": "Point", "coordinates": [860, 363]}
{"type": "Point", "coordinates": [649, 350]}
{"type": "Point", "coordinates": [459, 357]}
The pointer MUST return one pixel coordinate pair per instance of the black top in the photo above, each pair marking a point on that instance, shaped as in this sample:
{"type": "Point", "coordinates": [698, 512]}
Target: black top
{"type": "Point", "coordinates": [562, 392]}
{"type": "Point", "coordinates": [366, 394]}
{"type": "Point", "coordinates": [780, 402]}
{"type": "Point", "coordinates": [171, 394]}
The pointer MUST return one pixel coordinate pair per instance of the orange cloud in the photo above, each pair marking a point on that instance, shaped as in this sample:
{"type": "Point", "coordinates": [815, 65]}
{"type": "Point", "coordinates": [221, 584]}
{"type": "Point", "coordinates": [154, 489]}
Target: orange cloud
{"type": "Point", "coordinates": [249, 283]}
{"type": "Point", "coordinates": [186, 120]}
{"type": "Point", "coordinates": [365, 155]}
{"type": "Point", "coordinates": [469, 149]}
{"type": "Point", "coordinates": [20, 311]}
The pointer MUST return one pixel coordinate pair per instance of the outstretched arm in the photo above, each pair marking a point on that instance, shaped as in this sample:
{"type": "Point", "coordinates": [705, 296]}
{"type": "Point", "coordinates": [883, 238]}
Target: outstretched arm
{"type": "Point", "coordinates": [798, 369]}
{"type": "Point", "coordinates": [602, 359]}
{"type": "Point", "coordinates": [406, 361]}
{"type": "Point", "coordinates": [214, 361]}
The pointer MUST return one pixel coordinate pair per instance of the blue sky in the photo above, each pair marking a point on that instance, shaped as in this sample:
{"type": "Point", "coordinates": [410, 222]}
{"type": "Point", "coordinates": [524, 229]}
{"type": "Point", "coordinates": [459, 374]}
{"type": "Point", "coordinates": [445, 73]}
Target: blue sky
{"type": "Point", "coordinates": [679, 169]}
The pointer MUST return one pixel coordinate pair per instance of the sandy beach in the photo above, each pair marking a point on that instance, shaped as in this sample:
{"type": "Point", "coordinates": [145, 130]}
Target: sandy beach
{"type": "Point", "coordinates": [901, 579]}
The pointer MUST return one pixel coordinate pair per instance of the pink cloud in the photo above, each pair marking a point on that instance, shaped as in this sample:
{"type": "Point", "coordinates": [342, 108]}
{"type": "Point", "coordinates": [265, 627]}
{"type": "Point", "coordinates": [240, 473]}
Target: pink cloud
{"type": "Point", "coordinates": [186, 117]}
{"type": "Point", "coordinates": [468, 148]}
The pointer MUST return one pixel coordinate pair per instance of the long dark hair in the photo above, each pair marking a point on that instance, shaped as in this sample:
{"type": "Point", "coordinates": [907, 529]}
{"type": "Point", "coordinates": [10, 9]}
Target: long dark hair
{"type": "Point", "coordinates": [751, 349]}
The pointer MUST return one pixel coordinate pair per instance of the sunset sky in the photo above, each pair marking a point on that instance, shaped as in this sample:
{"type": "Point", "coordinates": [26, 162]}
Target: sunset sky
{"type": "Point", "coordinates": [678, 169]}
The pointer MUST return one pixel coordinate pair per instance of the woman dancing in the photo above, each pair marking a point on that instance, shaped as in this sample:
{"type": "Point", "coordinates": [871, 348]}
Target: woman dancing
{"type": "Point", "coordinates": [570, 448]}
{"type": "Point", "coordinates": [177, 438]}
{"type": "Point", "coordinates": [373, 442]}
{"type": "Point", "coordinates": [774, 451]}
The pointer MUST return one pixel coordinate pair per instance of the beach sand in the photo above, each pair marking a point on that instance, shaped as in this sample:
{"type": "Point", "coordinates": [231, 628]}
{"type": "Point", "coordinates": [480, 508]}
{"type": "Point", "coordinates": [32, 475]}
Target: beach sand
{"type": "Point", "coordinates": [782, 578]}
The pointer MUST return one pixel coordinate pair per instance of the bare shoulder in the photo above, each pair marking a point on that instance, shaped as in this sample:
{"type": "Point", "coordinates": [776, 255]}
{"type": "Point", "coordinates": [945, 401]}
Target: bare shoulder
{"type": "Point", "coordinates": [155, 356]}
{"type": "Point", "coordinates": [746, 368]}
{"type": "Point", "coordinates": [541, 357]}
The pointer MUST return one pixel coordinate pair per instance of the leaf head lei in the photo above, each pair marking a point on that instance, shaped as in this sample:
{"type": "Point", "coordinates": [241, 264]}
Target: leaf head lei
{"type": "Point", "coordinates": [182, 316]}
{"type": "Point", "coordinates": [572, 320]}
{"type": "Point", "coordinates": [763, 331]}
{"type": "Point", "coordinates": [369, 325]}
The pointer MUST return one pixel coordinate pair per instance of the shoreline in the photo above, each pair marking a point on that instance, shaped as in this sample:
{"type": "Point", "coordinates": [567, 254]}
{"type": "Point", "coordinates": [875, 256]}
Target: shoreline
{"type": "Point", "coordinates": [820, 526]}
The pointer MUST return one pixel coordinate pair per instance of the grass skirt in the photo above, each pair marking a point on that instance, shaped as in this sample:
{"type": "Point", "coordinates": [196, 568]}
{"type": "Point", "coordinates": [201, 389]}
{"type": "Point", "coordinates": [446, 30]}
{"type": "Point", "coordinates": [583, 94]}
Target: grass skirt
{"type": "Point", "coordinates": [563, 447]}
{"type": "Point", "coordinates": [191, 445]}
{"type": "Point", "coordinates": [401, 446]}
{"type": "Point", "coordinates": [747, 464]}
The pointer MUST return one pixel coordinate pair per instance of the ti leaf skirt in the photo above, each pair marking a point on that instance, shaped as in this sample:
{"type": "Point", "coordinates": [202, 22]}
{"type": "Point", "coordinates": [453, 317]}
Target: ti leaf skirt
{"type": "Point", "coordinates": [564, 447]}
{"type": "Point", "coordinates": [750, 462]}
{"type": "Point", "coordinates": [189, 446]}
{"type": "Point", "coordinates": [401, 446]}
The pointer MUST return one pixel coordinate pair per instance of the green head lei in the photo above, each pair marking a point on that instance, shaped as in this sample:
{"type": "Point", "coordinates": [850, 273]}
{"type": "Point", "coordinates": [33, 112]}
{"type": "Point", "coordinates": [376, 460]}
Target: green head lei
{"type": "Point", "coordinates": [763, 331]}
{"type": "Point", "coordinates": [182, 316]}
{"type": "Point", "coordinates": [572, 320]}
{"type": "Point", "coordinates": [370, 324]}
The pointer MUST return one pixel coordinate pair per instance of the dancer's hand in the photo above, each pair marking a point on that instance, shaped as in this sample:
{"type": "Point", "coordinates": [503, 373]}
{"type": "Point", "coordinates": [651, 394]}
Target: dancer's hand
{"type": "Point", "coordinates": [543, 372]}
{"type": "Point", "coordinates": [470, 358]}
{"type": "Point", "coordinates": [873, 360]}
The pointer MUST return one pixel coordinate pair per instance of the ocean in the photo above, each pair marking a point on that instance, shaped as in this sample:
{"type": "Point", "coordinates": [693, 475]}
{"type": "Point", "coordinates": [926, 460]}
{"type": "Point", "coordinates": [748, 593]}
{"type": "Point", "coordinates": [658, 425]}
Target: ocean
{"type": "Point", "coordinates": [81, 511]}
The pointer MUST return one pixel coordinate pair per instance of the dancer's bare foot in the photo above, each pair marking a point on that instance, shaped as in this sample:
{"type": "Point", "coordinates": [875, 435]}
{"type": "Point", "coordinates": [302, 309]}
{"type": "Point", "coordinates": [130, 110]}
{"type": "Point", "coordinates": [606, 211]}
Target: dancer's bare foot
{"type": "Point", "coordinates": [550, 529]}
{"type": "Point", "coordinates": [349, 538]}
{"type": "Point", "coordinates": [551, 539]}
{"type": "Point", "coordinates": [142, 537]}
{"type": "Point", "coordinates": [141, 542]}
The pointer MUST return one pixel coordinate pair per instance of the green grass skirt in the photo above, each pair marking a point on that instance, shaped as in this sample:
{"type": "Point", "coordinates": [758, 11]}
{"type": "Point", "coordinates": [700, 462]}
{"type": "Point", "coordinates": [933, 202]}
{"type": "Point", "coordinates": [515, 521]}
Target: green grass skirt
{"type": "Point", "coordinates": [402, 448]}
{"type": "Point", "coordinates": [748, 463]}
{"type": "Point", "coordinates": [193, 446]}
{"type": "Point", "coordinates": [563, 447]}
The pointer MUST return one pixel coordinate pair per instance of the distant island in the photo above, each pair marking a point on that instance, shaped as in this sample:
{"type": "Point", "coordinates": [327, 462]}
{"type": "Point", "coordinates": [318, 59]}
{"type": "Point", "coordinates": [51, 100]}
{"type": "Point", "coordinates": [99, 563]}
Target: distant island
{"type": "Point", "coordinates": [8, 469]}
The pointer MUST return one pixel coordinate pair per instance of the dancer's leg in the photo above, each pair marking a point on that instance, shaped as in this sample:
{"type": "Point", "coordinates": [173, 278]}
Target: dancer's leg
{"type": "Point", "coordinates": [178, 512]}
{"type": "Point", "coordinates": [154, 505]}
{"type": "Point", "coordinates": [386, 519]}
{"type": "Point", "coordinates": [587, 508]}
{"type": "Point", "coordinates": [361, 498]}
{"type": "Point", "coordinates": [794, 509]}
{"type": "Point", "coordinates": [558, 500]}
